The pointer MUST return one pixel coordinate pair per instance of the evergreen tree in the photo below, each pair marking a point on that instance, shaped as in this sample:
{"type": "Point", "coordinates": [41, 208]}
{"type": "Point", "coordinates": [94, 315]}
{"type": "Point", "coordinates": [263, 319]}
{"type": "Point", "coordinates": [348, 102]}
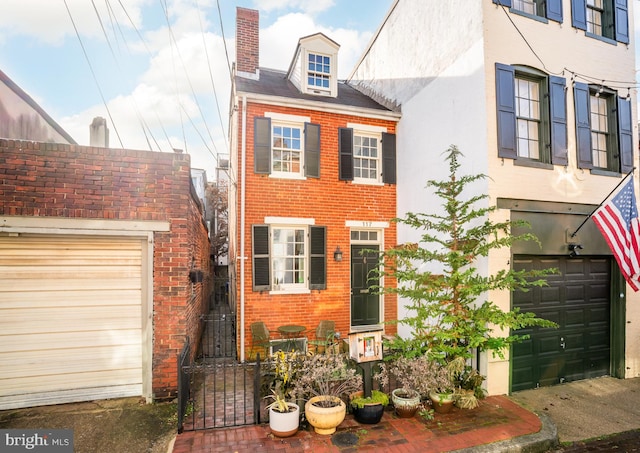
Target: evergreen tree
{"type": "Point", "coordinates": [449, 313]}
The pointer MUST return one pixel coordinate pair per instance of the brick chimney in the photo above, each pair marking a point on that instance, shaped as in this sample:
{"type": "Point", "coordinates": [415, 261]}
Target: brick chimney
{"type": "Point", "coordinates": [247, 42]}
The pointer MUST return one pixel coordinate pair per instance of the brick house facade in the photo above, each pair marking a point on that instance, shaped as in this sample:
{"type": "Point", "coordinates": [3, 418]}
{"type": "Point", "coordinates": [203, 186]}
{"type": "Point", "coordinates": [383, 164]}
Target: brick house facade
{"type": "Point", "coordinates": [58, 196]}
{"type": "Point", "coordinates": [299, 193]}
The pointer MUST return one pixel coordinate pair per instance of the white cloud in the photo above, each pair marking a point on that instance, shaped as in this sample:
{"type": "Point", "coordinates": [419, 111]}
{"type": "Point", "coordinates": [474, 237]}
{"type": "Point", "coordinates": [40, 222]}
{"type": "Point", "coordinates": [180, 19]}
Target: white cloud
{"type": "Point", "coordinates": [49, 22]}
{"type": "Point", "coordinates": [306, 6]}
{"type": "Point", "coordinates": [278, 42]}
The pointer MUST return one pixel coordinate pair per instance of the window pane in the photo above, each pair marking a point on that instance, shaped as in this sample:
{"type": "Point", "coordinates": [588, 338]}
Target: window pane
{"type": "Point", "coordinates": [528, 113]}
{"type": "Point", "coordinates": [288, 258]}
{"type": "Point", "coordinates": [365, 162]}
{"type": "Point", "coordinates": [286, 149]}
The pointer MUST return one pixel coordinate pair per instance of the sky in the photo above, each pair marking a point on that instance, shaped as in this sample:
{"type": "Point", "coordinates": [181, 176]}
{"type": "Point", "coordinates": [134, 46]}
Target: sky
{"type": "Point", "coordinates": [159, 70]}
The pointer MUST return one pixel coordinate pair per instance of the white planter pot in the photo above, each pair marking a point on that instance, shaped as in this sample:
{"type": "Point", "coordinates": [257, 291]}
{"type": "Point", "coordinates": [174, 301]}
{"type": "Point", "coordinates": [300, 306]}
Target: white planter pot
{"type": "Point", "coordinates": [284, 424]}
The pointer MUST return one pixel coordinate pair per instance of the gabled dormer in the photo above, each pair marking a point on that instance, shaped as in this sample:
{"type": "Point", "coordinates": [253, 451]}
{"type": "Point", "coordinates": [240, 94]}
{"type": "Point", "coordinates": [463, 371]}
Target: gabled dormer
{"type": "Point", "coordinates": [314, 69]}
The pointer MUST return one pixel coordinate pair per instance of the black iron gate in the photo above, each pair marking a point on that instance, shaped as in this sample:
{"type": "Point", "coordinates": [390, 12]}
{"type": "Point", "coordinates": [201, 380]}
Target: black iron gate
{"type": "Point", "coordinates": [216, 391]}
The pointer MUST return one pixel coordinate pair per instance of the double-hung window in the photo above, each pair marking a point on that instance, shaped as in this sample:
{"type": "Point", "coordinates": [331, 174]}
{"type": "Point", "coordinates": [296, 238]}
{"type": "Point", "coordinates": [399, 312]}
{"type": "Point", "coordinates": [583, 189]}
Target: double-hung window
{"type": "Point", "coordinates": [319, 71]}
{"type": "Point", "coordinates": [286, 146]}
{"type": "Point", "coordinates": [289, 257]}
{"type": "Point", "coordinates": [367, 154]}
{"type": "Point", "coordinates": [603, 19]}
{"type": "Point", "coordinates": [604, 139]}
{"type": "Point", "coordinates": [531, 116]}
{"type": "Point", "coordinates": [366, 157]}
{"type": "Point", "coordinates": [537, 9]}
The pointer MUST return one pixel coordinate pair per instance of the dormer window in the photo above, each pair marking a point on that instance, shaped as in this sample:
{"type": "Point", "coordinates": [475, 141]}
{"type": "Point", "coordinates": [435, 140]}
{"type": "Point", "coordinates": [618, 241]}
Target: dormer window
{"type": "Point", "coordinates": [319, 72]}
{"type": "Point", "coordinates": [314, 68]}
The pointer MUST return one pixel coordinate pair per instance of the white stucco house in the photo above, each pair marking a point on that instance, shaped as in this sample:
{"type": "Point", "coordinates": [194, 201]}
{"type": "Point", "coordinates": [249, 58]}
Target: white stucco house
{"type": "Point", "coordinates": [539, 96]}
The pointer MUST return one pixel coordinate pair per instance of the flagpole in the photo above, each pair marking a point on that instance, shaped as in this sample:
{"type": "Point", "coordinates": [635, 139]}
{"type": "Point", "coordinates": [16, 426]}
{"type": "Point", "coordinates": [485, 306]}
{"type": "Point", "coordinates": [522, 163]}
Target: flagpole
{"type": "Point", "coordinates": [605, 199]}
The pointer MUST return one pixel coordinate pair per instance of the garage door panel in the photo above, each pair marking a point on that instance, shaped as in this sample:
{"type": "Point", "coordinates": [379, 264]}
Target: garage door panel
{"type": "Point", "coordinates": [112, 297]}
{"type": "Point", "coordinates": [46, 284]}
{"type": "Point", "coordinates": [580, 347]}
{"type": "Point", "coordinates": [574, 318]}
{"type": "Point", "coordinates": [17, 365]}
{"type": "Point", "coordinates": [63, 340]}
{"type": "Point", "coordinates": [70, 382]}
{"type": "Point", "coordinates": [85, 271]}
{"type": "Point", "coordinates": [70, 319]}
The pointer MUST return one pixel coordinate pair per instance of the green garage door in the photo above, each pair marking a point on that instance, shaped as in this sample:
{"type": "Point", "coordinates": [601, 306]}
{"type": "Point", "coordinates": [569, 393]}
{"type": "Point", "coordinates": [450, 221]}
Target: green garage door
{"type": "Point", "coordinates": [579, 301]}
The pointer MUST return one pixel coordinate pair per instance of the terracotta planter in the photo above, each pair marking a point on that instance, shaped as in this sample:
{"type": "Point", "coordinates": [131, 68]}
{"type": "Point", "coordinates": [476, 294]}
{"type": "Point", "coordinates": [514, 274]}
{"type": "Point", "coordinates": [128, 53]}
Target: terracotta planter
{"type": "Point", "coordinates": [406, 402]}
{"type": "Point", "coordinates": [442, 402]}
{"type": "Point", "coordinates": [325, 420]}
{"type": "Point", "coordinates": [284, 424]}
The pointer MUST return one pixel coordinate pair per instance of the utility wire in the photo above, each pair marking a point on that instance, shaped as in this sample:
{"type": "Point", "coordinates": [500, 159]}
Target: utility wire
{"type": "Point", "coordinates": [93, 74]}
{"type": "Point", "coordinates": [106, 37]}
{"type": "Point", "coordinates": [195, 97]}
{"type": "Point", "coordinates": [213, 85]}
{"type": "Point", "coordinates": [224, 41]}
{"type": "Point", "coordinates": [144, 42]}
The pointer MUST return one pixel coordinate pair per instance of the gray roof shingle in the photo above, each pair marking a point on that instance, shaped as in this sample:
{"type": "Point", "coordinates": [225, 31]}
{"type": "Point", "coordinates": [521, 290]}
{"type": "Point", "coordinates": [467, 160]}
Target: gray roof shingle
{"type": "Point", "coordinates": [275, 83]}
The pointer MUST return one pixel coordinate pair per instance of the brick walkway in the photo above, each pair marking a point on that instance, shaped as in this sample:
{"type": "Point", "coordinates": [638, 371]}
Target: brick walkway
{"type": "Point", "coordinates": [497, 418]}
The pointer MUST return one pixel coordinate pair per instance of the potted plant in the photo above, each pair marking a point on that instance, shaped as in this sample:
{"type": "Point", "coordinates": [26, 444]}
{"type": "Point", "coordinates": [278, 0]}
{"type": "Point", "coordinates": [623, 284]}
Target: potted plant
{"type": "Point", "coordinates": [417, 376]}
{"type": "Point", "coordinates": [280, 375]}
{"type": "Point", "coordinates": [369, 409]}
{"type": "Point", "coordinates": [323, 380]}
{"type": "Point", "coordinates": [284, 416]}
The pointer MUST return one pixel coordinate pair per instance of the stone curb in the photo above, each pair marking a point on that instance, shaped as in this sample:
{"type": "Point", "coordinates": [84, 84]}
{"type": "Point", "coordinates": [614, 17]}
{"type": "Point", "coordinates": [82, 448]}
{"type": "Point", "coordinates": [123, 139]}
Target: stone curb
{"type": "Point", "coordinates": [544, 440]}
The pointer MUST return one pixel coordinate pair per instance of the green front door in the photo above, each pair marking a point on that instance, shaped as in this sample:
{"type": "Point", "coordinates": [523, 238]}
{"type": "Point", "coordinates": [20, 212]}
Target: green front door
{"type": "Point", "coordinates": [365, 306]}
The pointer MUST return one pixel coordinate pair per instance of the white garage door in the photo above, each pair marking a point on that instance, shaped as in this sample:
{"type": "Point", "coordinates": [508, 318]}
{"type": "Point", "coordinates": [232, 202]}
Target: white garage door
{"type": "Point", "coordinates": [70, 319]}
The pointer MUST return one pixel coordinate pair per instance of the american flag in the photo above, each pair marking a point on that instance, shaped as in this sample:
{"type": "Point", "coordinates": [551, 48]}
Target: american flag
{"type": "Point", "coordinates": [617, 220]}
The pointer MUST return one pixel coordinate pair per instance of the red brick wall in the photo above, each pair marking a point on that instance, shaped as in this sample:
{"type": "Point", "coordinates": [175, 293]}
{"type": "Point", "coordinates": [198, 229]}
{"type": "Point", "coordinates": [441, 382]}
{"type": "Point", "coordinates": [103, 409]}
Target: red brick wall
{"type": "Point", "coordinates": [247, 40]}
{"type": "Point", "coordinates": [331, 203]}
{"type": "Point", "coordinates": [70, 181]}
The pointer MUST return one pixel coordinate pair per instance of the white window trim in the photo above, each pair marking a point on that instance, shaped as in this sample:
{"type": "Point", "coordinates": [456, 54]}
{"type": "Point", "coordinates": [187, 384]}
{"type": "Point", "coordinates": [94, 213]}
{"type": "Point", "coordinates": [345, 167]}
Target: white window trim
{"type": "Point", "coordinates": [313, 89]}
{"type": "Point", "coordinates": [293, 222]}
{"type": "Point", "coordinates": [289, 221]}
{"type": "Point", "coordinates": [293, 288]}
{"type": "Point", "coordinates": [369, 130]}
{"type": "Point", "coordinates": [294, 121]}
{"type": "Point", "coordinates": [287, 118]}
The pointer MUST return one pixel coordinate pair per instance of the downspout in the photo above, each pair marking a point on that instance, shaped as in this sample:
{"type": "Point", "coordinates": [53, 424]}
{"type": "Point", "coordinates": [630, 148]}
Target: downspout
{"type": "Point", "coordinates": [242, 220]}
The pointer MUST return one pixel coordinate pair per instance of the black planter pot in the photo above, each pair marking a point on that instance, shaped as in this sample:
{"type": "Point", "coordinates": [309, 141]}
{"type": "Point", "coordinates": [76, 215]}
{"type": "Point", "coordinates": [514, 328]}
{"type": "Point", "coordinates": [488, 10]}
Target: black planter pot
{"type": "Point", "coordinates": [369, 414]}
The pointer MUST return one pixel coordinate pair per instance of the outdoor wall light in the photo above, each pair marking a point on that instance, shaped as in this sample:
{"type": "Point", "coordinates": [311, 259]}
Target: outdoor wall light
{"type": "Point", "coordinates": [337, 255]}
{"type": "Point", "coordinates": [574, 250]}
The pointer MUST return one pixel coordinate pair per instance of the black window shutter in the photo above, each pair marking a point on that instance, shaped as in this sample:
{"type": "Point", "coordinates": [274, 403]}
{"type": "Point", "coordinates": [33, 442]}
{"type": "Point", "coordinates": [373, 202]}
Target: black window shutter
{"type": "Point", "coordinates": [583, 125]}
{"type": "Point", "coordinates": [625, 135]}
{"type": "Point", "coordinates": [506, 108]}
{"type": "Point", "coordinates": [312, 150]}
{"type": "Point", "coordinates": [506, 3]}
{"type": "Point", "coordinates": [622, 21]}
{"type": "Point", "coordinates": [558, 114]}
{"type": "Point", "coordinates": [388, 158]}
{"type": "Point", "coordinates": [346, 153]}
{"type": "Point", "coordinates": [262, 145]}
{"type": "Point", "coordinates": [318, 258]}
{"type": "Point", "coordinates": [579, 14]}
{"type": "Point", "coordinates": [261, 267]}
{"type": "Point", "coordinates": [554, 10]}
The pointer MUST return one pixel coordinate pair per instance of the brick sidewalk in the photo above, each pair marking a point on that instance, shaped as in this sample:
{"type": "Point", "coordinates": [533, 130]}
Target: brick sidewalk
{"type": "Point", "coordinates": [497, 418]}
